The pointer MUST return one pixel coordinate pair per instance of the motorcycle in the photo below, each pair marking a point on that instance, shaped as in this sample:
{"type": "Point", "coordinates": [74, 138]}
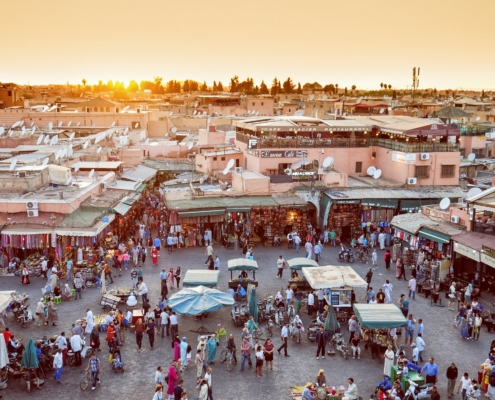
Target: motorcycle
{"type": "Point", "coordinates": [340, 345]}
{"type": "Point", "coordinates": [25, 315]}
{"type": "Point", "coordinates": [346, 256]}
{"type": "Point", "coordinates": [239, 314]}
{"type": "Point", "coordinates": [314, 327]}
{"type": "Point", "coordinates": [361, 256]}
{"type": "Point", "coordinates": [295, 331]}
{"type": "Point", "coordinates": [17, 303]}
{"type": "Point", "coordinates": [416, 392]}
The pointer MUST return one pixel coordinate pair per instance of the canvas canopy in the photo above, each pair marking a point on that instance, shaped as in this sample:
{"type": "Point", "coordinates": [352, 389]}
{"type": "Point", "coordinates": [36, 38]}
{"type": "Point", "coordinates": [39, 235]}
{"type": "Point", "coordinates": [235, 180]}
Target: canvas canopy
{"type": "Point", "coordinates": [332, 276]}
{"type": "Point", "coordinates": [5, 299]}
{"type": "Point", "coordinates": [244, 264]}
{"type": "Point", "coordinates": [379, 316]}
{"type": "Point", "coordinates": [198, 300]}
{"type": "Point", "coordinates": [197, 277]}
{"type": "Point", "coordinates": [301, 262]}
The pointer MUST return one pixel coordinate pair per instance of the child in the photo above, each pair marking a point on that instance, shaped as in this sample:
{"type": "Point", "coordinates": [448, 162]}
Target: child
{"type": "Point", "coordinates": [188, 356]}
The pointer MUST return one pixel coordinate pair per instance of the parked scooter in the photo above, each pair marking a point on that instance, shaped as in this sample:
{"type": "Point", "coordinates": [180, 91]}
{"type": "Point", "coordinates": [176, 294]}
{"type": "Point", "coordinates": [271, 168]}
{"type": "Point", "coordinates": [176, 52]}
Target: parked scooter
{"type": "Point", "coordinates": [340, 345]}
{"type": "Point", "coordinates": [314, 327]}
{"type": "Point", "coordinates": [346, 256]}
{"type": "Point", "coordinates": [25, 315]}
{"type": "Point", "coordinates": [416, 392]}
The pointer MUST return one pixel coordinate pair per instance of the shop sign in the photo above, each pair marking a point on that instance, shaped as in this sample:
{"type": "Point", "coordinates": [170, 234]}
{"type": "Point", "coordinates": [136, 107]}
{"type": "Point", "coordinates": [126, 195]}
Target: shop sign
{"type": "Point", "coordinates": [488, 256]}
{"type": "Point", "coordinates": [252, 143]}
{"type": "Point", "coordinates": [487, 213]}
{"type": "Point", "coordinates": [311, 129]}
{"type": "Point", "coordinates": [281, 154]}
{"type": "Point", "coordinates": [404, 158]}
{"type": "Point", "coordinates": [346, 201]}
{"type": "Point", "coordinates": [466, 251]}
{"type": "Point", "coordinates": [104, 219]}
{"type": "Point", "coordinates": [304, 173]}
{"type": "Point", "coordinates": [253, 152]}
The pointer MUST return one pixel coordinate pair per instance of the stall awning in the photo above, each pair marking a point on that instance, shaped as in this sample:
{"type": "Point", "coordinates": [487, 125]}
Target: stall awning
{"type": "Point", "coordinates": [379, 316]}
{"type": "Point", "coordinates": [332, 276]}
{"type": "Point", "coordinates": [244, 264]}
{"type": "Point", "coordinates": [301, 262]}
{"type": "Point", "coordinates": [26, 229]}
{"type": "Point", "coordinates": [412, 205]}
{"type": "Point", "coordinates": [201, 213]}
{"type": "Point", "coordinates": [197, 277]}
{"type": "Point", "coordinates": [122, 208]}
{"type": "Point", "coordinates": [88, 232]}
{"type": "Point", "coordinates": [435, 236]}
{"type": "Point", "coordinates": [129, 202]}
{"type": "Point", "coordinates": [141, 188]}
{"type": "Point", "coordinates": [239, 209]}
{"type": "Point", "coordinates": [382, 203]}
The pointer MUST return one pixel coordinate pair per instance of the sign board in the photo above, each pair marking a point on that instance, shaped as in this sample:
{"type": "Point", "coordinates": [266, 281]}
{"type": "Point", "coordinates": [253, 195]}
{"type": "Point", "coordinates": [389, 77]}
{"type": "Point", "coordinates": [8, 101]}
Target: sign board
{"type": "Point", "coordinates": [488, 256]}
{"type": "Point", "coordinates": [105, 219]}
{"type": "Point", "coordinates": [282, 153]}
{"type": "Point", "coordinates": [404, 158]}
{"type": "Point", "coordinates": [296, 129]}
{"type": "Point", "coordinates": [303, 173]}
{"type": "Point", "coordinates": [338, 201]}
{"type": "Point", "coordinates": [252, 143]}
{"type": "Point", "coordinates": [466, 251]}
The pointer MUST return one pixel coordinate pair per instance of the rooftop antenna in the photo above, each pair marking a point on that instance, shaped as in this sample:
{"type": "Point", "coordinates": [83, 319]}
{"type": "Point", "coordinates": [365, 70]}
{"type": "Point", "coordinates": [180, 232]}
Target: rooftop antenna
{"type": "Point", "coordinates": [98, 150]}
{"type": "Point", "coordinates": [45, 162]}
{"type": "Point", "coordinates": [40, 139]}
{"type": "Point", "coordinates": [471, 157]}
{"type": "Point", "coordinates": [415, 81]}
{"type": "Point", "coordinates": [371, 171]}
{"type": "Point", "coordinates": [91, 173]}
{"type": "Point", "coordinates": [12, 164]}
{"type": "Point", "coordinates": [445, 203]}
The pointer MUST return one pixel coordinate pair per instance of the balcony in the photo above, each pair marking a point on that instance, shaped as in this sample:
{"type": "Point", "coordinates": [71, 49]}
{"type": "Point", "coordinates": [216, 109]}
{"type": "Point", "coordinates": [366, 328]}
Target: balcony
{"type": "Point", "coordinates": [487, 229]}
{"type": "Point", "coordinates": [408, 147]}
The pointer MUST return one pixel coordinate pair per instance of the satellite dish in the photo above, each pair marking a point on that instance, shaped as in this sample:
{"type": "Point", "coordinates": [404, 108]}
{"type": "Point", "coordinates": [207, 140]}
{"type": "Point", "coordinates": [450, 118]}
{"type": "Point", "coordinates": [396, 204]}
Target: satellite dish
{"type": "Point", "coordinates": [327, 162]}
{"type": "Point", "coordinates": [70, 151]}
{"type": "Point", "coordinates": [226, 171]}
{"type": "Point", "coordinates": [230, 164]}
{"type": "Point", "coordinates": [46, 139]}
{"type": "Point", "coordinates": [63, 152]}
{"type": "Point", "coordinates": [94, 125]}
{"type": "Point", "coordinates": [359, 100]}
{"type": "Point", "coordinates": [382, 110]}
{"type": "Point", "coordinates": [288, 171]}
{"type": "Point", "coordinates": [125, 109]}
{"type": "Point", "coordinates": [12, 164]}
{"type": "Point", "coordinates": [16, 124]}
{"type": "Point", "coordinates": [86, 144]}
{"type": "Point", "coordinates": [324, 97]}
{"type": "Point", "coordinates": [174, 129]}
{"type": "Point", "coordinates": [60, 124]}
{"type": "Point", "coordinates": [147, 142]}
{"type": "Point", "coordinates": [136, 125]}
{"type": "Point", "coordinates": [371, 171]}
{"type": "Point", "coordinates": [78, 124]}
{"type": "Point", "coordinates": [208, 121]}
{"type": "Point", "coordinates": [33, 129]}
{"type": "Point", "coordinates": [445, 203]}
{"type": "Point", "coordinates": [52, 141]}
{"type": "Point", "coordinates": [40, 139]}
{"type": "Point", "coordinates": [194, 112]}
{"type": "Point", "coordinates": [91, 173]}
{"type": "Point", "coordinates": [471, 157]}
{"type": "Point", "coordinates": [69, 124]}
{"type": "Point", "coordinates": [2, 130]}
{"type": "Point", "coordinates": [50, 125]}
{"type": "Point", "coordinates": [190, 146]}
{"type": "Point", "coordinates": [113, 124]}
{"type": "Point", "coordinates": [55, 139]}
{"type": "Point", "coordinates": [478, 118]}
{"type": "Point", "coordinates": [311, 97]}
{"type": "Point", "coordinates": [45, 162]}
{"type": "Point", "coordinates": [11, 132]}
{"type": "Point", "coordinates": [126, 130]}
{"type": "Point", "coordinates": [77, 166]}
{"type": "Point", "coordinates": [474, 192]}
{"type": "Point", "coordinates": [59, 153]}
{"type": "Point", "coordinates": [21, 122]}
{"type": "Point", "coordinates": [23, 131]}
{"type": "Point", "coordinates": [71, 137]}
{"type": "Point", "coordinates": [32, 124]}
{"type": "Point", "coordinates": [98, 150]}
{"type": "Point", "coordinates": [377, 174]}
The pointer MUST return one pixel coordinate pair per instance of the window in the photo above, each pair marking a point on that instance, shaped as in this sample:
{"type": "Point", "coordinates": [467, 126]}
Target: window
{"type": "Point", "coordinates": [359, 167]}
{"type": "Point", "coordinates": [422, 171]}
{"type": "Point", "coordinates": [222, 158]}
{"type": "Point", "coordinates": [96, 109]}
{"type": "Point", "coordinates": [214, 159]}
{"type": "Point", "coordinates": [9, 93]}
{"type": "Point", "coordinates": [262, 104]}
{"type": "Point", "coordinates": [253, 104]}
{"type": "Point", "coordinates": [448, 171]}
{"type": "Point", "coordinates": [108, 109]}
{"type": "Point", "coordinates": [290, 109]}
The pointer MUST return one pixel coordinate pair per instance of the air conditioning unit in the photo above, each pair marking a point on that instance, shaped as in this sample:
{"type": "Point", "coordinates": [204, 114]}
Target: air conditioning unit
{"type": "Point", "coordinates": [238, 170]}
{"type": "Point", "coordinates": [424, 156]}
{"type": "Point", "coordinates": [32, 205]}
{"type": "Point", "coordinates": [32, 213]}
{"type": "Point", "coordinates": [455, 219]}
{"type": "Point", "coordinates": [104, 185]}
{"type": "Point", "coordinates": [412, 181]}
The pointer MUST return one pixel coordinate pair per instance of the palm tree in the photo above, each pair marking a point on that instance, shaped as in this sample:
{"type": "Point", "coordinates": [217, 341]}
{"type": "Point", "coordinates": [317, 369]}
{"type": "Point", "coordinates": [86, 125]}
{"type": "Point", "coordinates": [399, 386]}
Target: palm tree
{"type": "Point", "coordinates": [381, 85]}
{"type": "Point", "coordinates": [337, 88]}
{"type": "Point", "coordinates": [390, 86]}
{"type": "Point", "coordinates": [353, 87]}
{"type": "Point", "coordinates": [84, 82]}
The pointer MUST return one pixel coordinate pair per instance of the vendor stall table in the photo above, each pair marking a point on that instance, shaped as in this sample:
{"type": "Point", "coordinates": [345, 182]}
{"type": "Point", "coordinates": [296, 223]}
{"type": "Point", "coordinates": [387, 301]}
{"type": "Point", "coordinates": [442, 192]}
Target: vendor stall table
{"type": "Point", "coordinates": [109, 302]}
{"type": "Point", "coordinates": [122, 293]}
{"type": "Point", "coordinates": [412, 375]}
{"type": "Point", "coordinates": [242, 264]}
{"type": "Point", "coordinates": [296, 264]}
{"type": "Point", "coordinates": [136, 314]}
{"type": "Point", "coordinates": [201, 277]}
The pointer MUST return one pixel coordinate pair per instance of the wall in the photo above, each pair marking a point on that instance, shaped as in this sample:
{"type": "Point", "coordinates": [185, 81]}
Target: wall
{"type": "Point", "coordinates": [335, 179]}
{"type": "Point", "coordinates": [463, 215]}
{"type": "Point", "coordinates": [131, 157]}
{"type": "Point", "coordinates": [211, 137]}
{"type": "Point", "coordinates": [469, 143]}
{"type": "Point", "coordinates": [32, 181]}
{"type": "Point", "coordinates": [251, 186]}
{"type": "Point", "coordinates": [158, 129]}
{"type": "Point", "coordinates": [262, 105]}
{"type": "Point", "coordinates": [208, 165]}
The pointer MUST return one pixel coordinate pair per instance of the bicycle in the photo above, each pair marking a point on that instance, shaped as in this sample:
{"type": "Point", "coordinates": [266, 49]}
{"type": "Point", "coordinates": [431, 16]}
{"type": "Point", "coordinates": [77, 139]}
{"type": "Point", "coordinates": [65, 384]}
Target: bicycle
{"type": "Point", "coordinates": [85, 380]}
{"type": "Point", "coordinates": [226, 355]}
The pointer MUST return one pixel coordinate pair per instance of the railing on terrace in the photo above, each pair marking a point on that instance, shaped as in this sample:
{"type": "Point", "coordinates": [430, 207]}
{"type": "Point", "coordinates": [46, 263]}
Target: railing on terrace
{"type": "Point", "coordinates": [474, 130]}
{"type": "Point", "coordinates": [415, 147]}
{"type": "Point", "coordinates": [488, 229]}
{"type": "Point", "coordinates": [255, 142]}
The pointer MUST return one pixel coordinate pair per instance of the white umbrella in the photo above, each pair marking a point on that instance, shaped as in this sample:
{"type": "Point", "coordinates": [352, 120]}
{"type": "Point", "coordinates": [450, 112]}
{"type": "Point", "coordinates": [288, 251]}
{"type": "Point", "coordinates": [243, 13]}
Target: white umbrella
{"type": "Point", "coordinates": [4, 357]}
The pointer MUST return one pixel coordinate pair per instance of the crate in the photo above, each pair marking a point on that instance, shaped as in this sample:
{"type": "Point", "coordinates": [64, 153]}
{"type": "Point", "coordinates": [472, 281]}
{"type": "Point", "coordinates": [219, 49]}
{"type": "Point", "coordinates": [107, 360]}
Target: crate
{"type": "Point", "coordinates": [109, 302]}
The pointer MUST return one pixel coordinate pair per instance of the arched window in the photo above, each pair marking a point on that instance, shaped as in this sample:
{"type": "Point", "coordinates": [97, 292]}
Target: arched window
{"type": "Point", "coordinates": [102, 109]}
{"type": "Point", "coordinates": [108, 109]}
{"type": "Point", "coordinates": [96, 109]}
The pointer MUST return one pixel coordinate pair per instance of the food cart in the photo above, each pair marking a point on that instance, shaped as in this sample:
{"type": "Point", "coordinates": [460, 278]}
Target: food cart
{"type": "Point", "coordinates": [242, 264]}
{"type": "Point", "coordinates": [201, 277]}
{"type": "Point", "coordinates": [299, 282]}
{"type": "Point", "coordinates": [339, 282]}
{"type": "Point", "coordinates": [122, 293]}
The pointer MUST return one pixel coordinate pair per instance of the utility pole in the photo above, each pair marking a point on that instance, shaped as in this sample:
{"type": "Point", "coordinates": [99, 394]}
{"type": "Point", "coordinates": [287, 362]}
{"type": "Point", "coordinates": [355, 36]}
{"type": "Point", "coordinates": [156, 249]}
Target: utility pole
{"type": "Point", "coordinates": [415, 82]}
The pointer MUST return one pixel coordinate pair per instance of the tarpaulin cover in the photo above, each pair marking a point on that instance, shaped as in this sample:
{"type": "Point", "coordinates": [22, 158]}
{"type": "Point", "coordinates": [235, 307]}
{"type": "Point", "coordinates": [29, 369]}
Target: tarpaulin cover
{"type": "Point", "coordinates": [379, 316]}
{"type": "Point", "coordinates": [4, 356]}
{"type": "Point", "coordinates": [5, 299]}
{"type": "Point", "coordinates": [253, 302]}
{"type": "Point", "coordinates": [244, 264]}
{"type": "Point", "coordinates": [59, 175]}
{"type": "Point", "coordinates": [198, 277]}
{"type": "Point", "coordinates": [301, 262]}
{"type": "Point", "coordinates": [331, 325]}
{"type": "Point", "coordinates": [332, 276]}
{"type": "Point", "coordinates": [29, 357]}
{"type": "Point", "coordinates": [198, 300]}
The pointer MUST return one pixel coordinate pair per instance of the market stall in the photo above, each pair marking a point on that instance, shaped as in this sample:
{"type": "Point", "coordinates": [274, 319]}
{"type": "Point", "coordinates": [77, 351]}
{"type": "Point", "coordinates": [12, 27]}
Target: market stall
{"type": "Point", "coordinates": [242, 264]}
{"type": "Point", "coordinates": [122, 293]}
{"type": "Point", "coordinates": [201, 277]}
{"type": "Point", "coordinates": [296, 281]}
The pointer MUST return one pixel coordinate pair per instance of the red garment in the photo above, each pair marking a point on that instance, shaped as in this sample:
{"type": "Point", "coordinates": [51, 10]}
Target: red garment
{"type": "Point", "coordinates": [110, 333]}
{"type": "Point", "coordinates": [172, 379]}
{"type": "Point", "coordinates": [7, 335]}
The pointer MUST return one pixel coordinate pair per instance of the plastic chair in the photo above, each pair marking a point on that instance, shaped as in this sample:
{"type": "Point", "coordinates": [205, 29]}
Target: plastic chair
{"type": "Point", "coordinates": [73, 293]}
{"type": "Point", "coordinates": [57, 300]}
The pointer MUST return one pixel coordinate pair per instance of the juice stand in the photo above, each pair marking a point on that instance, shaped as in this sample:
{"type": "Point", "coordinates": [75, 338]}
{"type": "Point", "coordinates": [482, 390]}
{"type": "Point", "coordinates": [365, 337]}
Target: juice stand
{"type": "Point", "coordinates": [242, 264]}
{"type": "Point", "coordinates": [296, 265]}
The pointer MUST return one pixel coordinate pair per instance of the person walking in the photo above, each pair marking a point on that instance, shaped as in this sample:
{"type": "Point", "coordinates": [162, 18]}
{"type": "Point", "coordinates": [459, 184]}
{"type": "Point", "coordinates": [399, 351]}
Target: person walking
{"type": "Point", "coordinates": [172, 380]}
{"type": "Point", "coordinates": [464, 383]}
{"type": "Point", "coordinates": [280, 266]}
{"type": "Point", "coordinates": [78, 285]}
{"type": "Point", "coordinates": [387, 257]}
{"type": "Point", "coordinates": [208, 380]}
{"type": "Point", "coordinates": [52, 313]}
{"type": "Point", "coordinates": [353, 327]}
{"type": "Point", "coordinates": [199, 361]}
{"type": "Point", "coordinates": [311, 303]}
{"type": "Point", "coordinates": [284, 337]}
{"type": "Point", "coordinates": [58, 366]}
{"type": "Point", "coordinates": [76, 346]}
{"type": "Point", "coordinates": [260, 358]}
{"type": "Point", "coordinates": [297, 242]}
{"type": "Point", "coordinates": [451, 374]}
{"type": "Point", "coordinates": [139, 328]}
{"type": "Point", "coordinates": [211, 347]}
{"type": "Point", "coordinates": [321, 340]}
{"type": "Point", "coordinates": [368, 277]}
{"type": "Point", "coordinates": [309, 249]}
{"type": "Point", "coordinates": [404, 305]}
{"type": "Point", "coordinates": [387, 287]}
{"type": "Point", "coordinates": [412, 288]}
{"type": "Point", "coordinates": [317, 251]}
{"type": "Point", "coordinates": [177, 276]}
{"type": "Point", "coordinates": [174, 324]}
{"type": "Point", "coordinates": [268, 349]}
{"type": "Point", "coordinates": [165, 323]}
{"type": "Point", "coordinates": [150, 330]}
{"type": "Point", "coordinates": [374, 260]}
{"type": "Point", "coordinates": [420, 343]}
{"type": "Point", "coordinates": [431, 371]}
{"type": "Point", "coordinates": [94, 366]}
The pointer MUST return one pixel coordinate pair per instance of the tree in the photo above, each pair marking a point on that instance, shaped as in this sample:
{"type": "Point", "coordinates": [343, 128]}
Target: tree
{"type": "Point", "coordinates": [186, 87]}
{"type": "Point", "coordinates": [110, 86]}
{"type": "Point", "coordinates": [289, 86]}
{"type": "Point", "coordinates": [299, 89]}
{"type": "Point", "coordinates": [329, 88]}
{"type": "Point", "coordinates": [204, 87]}
{"type": "Point", "coordinates": [345, 90]}
{"type": "Point", "coordinates": [353, 87]}
{"type": "Point", "coordinates": [220, 86]}
{"type": "Point", "coordinates": [381, 85]}
{"type": "Point", "coordinates": [146, 85]}
{"type": "Point", "coordinates": [133, 86]}
{"type": "Point", "coordinates": [337, 88]}
{"type": "Point", "coordinates": [263, 88]}
{"type": "Point", "coordinates": [157, 86]}
{"type": "Point", "coordinates": [84, 82]}
{"type": "Point", "coordinates": [482, 94]}
{"type": "Point", "coordinates": [275, 87]}
{"type": "Point", "coordinates": [215, 88]}
{"type": "Point", "coordinates": [394, 95]}
{"type": "Point", "coordinates": [389, 87]}
{"type": "Point", "coordinates": [234, 84]}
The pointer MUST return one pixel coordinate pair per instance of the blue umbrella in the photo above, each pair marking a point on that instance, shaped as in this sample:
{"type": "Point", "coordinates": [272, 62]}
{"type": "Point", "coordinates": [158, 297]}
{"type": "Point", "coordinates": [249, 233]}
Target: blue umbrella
{"type": "Point", "coordinates": [29, 357]}
{"type": "Point", "coordinates": [198, 300]}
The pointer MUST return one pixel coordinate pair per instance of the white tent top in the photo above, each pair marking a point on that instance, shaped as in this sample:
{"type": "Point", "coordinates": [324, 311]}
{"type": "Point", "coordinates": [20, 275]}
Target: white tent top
{"type": "Point", "coordinates": [5, 299]}
{"type": "Point", "coordinates": [332, 276]}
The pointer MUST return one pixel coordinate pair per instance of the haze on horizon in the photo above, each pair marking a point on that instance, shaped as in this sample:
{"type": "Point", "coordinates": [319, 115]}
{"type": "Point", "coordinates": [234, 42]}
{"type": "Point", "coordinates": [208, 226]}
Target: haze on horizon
{"type": "Point", "coordinates": [358, 43]}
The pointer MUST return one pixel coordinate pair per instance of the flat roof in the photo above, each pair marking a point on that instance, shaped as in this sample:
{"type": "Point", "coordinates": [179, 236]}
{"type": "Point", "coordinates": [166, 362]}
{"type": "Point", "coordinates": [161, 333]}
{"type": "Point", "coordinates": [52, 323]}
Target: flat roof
{"type": "Point", "coordinates": [97, 164]}
{"type": "Point", "coordinates": [384, 193]}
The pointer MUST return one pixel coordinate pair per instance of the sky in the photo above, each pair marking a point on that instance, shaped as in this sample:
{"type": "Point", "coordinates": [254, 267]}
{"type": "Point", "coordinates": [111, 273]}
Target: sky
{"type": "Point", "coordinates": [361, 42]}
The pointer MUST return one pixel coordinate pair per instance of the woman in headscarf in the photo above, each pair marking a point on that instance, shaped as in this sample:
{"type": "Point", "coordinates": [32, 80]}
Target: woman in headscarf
{"type": "Point", "coordinates": [90, 323]}
{"type": "Point", "coordinates": [170, 278]}
{"type": "Point", "coordinates": [320, 378]}
{"type": "Point", "coordinates": [52, 312]}
{"type": "Point", "coordinates": [25, 276]}
{"type": "Point", "coordinates": [40, 311]}
{"type": "Point", "coordinates": [176, 347]}
{"type": "Point", "coordinates": [202, 340]}
{"type": "Point", "coordinates": [67, 293]}
{"type": "Point", "coordinates": [172, 380]}
{"type": "Point", "coordinates": [279, 300]}
{"type": "Point", "coordinates": [306, 393]}
{"type": "Point", "coordinates": [177, 276]}
{"type": "Point", "coordinates": [53, 281]}
{"type": "Point", "coordinates": [183, 351]}
{"type": "Point", "coordinates": [211, 346]}
{"type": "Point", "coordinates": [95, 339]}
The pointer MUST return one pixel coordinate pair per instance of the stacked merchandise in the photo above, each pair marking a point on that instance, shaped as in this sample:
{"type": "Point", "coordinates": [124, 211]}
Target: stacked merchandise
{"type": "Point", "coordinates": [275, 220]}
{"type": "Point", "coordinates": [345, 215]}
